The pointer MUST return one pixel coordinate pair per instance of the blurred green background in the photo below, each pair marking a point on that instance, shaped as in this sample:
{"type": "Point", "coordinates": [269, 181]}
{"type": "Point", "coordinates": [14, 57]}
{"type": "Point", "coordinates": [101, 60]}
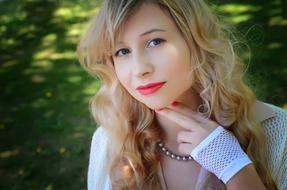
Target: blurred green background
{"type": "Point", "coordinates": [45, 125]}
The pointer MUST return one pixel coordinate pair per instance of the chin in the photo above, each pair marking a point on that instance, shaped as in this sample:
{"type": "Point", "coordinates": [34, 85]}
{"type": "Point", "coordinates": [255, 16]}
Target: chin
{"type": "Point", "coordinates": [157, 104]}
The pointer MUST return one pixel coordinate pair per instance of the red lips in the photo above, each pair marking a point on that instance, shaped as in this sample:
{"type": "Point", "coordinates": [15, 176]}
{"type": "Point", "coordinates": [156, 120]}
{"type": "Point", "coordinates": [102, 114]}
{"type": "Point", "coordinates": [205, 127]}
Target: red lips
{"type": "Point", "coordinates": [150, 88]}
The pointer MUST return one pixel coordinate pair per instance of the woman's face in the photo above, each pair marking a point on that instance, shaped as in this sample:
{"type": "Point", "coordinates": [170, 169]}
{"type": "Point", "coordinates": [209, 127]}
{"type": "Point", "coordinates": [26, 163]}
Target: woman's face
{"type": "Point", "coordinates": [152, 50]}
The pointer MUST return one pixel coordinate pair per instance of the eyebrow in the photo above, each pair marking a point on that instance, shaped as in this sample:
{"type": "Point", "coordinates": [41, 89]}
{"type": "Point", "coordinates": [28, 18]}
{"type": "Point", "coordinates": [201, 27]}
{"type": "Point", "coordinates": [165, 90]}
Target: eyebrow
{"type": "Point", "coordinates": [152, 30]}
{"type": "Point", "coordinates": [148, 32]}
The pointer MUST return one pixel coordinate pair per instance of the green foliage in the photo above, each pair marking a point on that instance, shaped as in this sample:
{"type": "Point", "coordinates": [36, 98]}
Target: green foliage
{"type": "Point", "coordinates": [262, 26]}
{"type": "Point", "coordinates": [45, 122]}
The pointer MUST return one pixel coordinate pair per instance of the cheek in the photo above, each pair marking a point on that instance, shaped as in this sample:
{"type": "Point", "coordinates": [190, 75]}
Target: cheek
{"type": "Point", "coordinates": [122, 76]}
{"type": "Point", "coordinates": [125, 80]}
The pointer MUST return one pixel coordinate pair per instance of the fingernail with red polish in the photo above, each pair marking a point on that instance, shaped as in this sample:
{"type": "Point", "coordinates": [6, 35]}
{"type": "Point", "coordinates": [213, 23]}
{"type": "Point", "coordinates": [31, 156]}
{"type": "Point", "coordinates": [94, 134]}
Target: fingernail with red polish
{"type": "Point", "coordinates": [174, 103]}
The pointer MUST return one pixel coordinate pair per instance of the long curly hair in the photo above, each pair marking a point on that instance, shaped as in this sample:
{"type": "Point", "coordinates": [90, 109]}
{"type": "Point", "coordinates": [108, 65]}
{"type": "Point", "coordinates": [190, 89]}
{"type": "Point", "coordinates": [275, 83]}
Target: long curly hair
{"type": "Point", "coordinates": [218, 73]}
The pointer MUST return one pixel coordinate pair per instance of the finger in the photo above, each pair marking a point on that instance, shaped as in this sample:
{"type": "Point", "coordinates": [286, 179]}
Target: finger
{"type": "Point", "coordinates": [180, 119]}
{"type": "Point", "coordinates": [181, 108]}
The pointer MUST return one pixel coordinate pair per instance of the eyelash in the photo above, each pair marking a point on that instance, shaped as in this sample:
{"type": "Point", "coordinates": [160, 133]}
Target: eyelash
{"type": "Point", "coordinates": [156, 39]}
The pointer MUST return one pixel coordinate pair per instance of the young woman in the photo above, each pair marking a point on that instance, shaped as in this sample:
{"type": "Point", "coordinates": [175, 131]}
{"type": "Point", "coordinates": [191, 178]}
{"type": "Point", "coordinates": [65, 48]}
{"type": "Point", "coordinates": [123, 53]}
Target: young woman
{"type": "Point", "coordinates": [173, 109]}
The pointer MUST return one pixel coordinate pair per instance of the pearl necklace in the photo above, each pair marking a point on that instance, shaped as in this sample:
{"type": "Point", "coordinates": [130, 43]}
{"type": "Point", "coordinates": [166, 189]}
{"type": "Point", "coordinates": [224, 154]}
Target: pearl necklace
{"type": "Point", "coordinates": [172, 155]}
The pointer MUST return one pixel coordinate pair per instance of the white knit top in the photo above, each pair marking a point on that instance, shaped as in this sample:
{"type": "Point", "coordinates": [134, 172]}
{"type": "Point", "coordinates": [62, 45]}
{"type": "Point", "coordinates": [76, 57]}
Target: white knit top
{"type": "Point", "coordinates": [272, 118]}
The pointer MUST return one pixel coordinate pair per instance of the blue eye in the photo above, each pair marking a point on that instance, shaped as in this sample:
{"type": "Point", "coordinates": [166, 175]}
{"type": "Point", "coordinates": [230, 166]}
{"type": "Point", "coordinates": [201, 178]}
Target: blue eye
{"type": "Point", "coordinates": [155, 42]}
{"type": "Point", "coordinates": [151, 43]}
{"type": "Point", "coordinates": [122, 52]}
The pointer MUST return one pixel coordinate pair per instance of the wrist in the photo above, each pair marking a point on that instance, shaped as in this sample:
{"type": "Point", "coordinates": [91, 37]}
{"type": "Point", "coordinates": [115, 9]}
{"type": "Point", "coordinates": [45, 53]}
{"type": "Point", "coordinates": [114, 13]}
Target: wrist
{"type": "Point", "coordinates": [221, 154]}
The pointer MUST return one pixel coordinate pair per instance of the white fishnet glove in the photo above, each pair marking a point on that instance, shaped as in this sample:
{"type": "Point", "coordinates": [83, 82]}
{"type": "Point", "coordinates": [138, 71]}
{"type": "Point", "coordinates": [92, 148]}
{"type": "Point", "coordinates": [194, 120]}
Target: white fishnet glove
{"type": "Point", "coordinates": [221, 154]}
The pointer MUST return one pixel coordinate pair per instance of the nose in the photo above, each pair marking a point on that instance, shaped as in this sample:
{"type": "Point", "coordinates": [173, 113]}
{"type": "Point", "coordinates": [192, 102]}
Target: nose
{"type": "Point", "coordinates": [142, 66]}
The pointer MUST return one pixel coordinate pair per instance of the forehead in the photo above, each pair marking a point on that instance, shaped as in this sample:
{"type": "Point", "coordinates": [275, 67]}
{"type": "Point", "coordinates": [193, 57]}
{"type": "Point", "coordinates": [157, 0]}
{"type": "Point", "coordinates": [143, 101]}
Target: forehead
{"type": "Point", "coordinates": [148, 16]}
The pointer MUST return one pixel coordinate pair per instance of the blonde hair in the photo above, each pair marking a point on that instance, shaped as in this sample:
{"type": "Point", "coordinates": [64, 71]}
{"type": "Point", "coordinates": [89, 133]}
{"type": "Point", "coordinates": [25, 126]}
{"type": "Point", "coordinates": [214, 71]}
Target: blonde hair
{"type": "Point", "coordinates": [219, 75]}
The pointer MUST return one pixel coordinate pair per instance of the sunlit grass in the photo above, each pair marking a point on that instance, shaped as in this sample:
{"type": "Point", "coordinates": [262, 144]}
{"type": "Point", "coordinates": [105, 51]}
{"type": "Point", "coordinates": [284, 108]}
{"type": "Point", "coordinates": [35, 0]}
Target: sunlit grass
{"type": "Point", "coordinates": [49, 113]}
{"type": "Point", "coordinates": [28, 28]}
{"type": "Point", "coordinates": [51, 54]}
{"type": "Point", "coordinates": [74, 79]}
{"type": "Point", "coordinates": [43, 63]}
{"type": "Point", "coordinates": [17, 15]}
{"type": "Point", "coordinates": [49, 40]}
{"type": "Point", "coordinates": [9, 41]}
{"type": "Point", "coordinates": [76, 30]}
{"type": "Point", "coordinates": [275, 11]}
{"type": "Point", "coordinates": [237, 13]}
{"type": "Point", "coordinates": [37, 78]}
{"type": "Point", "coordinates": [33, 70]}
{"type": "Point", "coordinates": [10, 63]}
{"type": "Point", "coordinates": [275, 45]}
{"type": "Point", "coordinates": [74, 11]}
{"type": "Point", "coordinates": [43, 54]}
{"type": "Point", "coordinates": [9, 153]}
{"type": "Point", "coordinates": [238, 8]}
{"type": "Point", "coordinates": [240, 18]}
{"type": "Point", "coordinates": [40, 102]}
{"type": "Point", "coordinates": [64, 55]}
{"type": "Point", "coordinates": [277, 20]}
{"type": "Point", "coordinates": [92, 88]}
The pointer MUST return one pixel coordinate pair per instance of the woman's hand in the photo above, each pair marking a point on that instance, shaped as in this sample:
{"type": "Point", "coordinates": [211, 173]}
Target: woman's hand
{"type": "Point", "coordinates": [213, 147]}
{"type": "Point", "coordinates": [196, 127]}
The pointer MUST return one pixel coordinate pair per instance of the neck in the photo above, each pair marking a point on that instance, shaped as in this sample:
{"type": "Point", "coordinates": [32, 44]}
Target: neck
{"type": "Point", "coordinates": [189, 99]}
